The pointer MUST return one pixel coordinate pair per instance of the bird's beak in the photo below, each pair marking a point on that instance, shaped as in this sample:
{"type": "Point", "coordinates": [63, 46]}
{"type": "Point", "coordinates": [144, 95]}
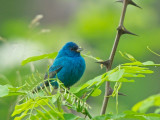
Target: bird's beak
{"type": "Point", "coordinates": [79, 49]}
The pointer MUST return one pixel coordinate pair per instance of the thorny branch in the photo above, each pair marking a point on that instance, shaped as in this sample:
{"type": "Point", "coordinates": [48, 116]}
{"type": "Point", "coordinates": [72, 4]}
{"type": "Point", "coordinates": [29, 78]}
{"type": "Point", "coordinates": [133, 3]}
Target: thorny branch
{"type": "Point", "coordinates": [120, 31]}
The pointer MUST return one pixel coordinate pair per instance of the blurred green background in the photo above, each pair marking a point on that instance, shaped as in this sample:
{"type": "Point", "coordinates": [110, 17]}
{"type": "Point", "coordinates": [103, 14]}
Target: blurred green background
{"type": "Point", "coordinates": [91, 24]}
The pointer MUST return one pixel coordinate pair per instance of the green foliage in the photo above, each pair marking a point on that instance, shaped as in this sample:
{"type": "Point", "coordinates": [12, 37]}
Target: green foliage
{"type": "Point", "coordinates": [8, 90]}
{"type": "Point", "coordinates": [27, 108]}
{"type": "Point", "coordinates": [35, 58]}
{"type": "Point", "coordinates": [144, 105]}
{"type": "Point", "coordinates": [45, 105]}
{"type": "Point", "coordinates": [122, 73]}
{"type": "Point", "coordinates": [128, 115]}
{"type": "Point", "coordinates": [3, 90]}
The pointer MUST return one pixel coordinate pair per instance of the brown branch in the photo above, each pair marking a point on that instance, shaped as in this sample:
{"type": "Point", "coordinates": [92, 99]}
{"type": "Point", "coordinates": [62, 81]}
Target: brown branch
{"type": "Point", "coordinates": [120, 31]}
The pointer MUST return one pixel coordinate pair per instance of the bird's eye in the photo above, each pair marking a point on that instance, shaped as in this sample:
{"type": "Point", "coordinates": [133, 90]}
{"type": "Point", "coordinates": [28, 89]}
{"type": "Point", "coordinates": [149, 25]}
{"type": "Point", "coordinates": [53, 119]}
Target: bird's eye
{"type": "Point", "coordinates": [73, 49]}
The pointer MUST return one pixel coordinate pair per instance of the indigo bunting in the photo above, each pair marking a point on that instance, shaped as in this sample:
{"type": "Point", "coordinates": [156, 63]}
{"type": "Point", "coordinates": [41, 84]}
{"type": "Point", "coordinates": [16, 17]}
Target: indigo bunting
{"type": "Point", "coordinates": [68, 66]}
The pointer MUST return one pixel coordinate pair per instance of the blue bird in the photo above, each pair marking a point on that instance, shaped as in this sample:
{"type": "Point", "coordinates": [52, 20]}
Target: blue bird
{"type": "Point", "coordinates": [68, 66]}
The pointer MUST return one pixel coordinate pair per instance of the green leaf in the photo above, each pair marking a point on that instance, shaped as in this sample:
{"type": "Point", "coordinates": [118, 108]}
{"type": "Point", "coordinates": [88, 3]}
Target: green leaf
{"type": "Point", "coordinates": [90, 56]}
{"type": "Point", "coordinates": [144, 105]}
{"type": "Point", "coordinates": [41, 114]}
{"type": "Point", "coordinates": [95, 80]}
{"type": "Point", "coordinates": [87, 85]}
{"type": "Point", "coordinates": [55, 97]}
{"type": "Point", "coordinates": [130, 57]}
{"type": "Point", "coordinates": [99, 118]}
{"type": "Point", "coordinates": [8, 90]}
{"type": "Point", "coordinates": [46, 115]}
{"type": "Point", "coordinates": [133, 63]}
{"type": "Point", "coordinates": [35, 58]}
{"type": "Point", "coordinates": [128, 115]}
{"type": "Point", "coordinates": [71, 117]}
{"type": "Point", "coordinates": [144, 64]}
{"type": "Point", "coordinates": [148, 63]}
{"type": "Point", "coordinates": [133, 75]}
{"type": "Point", "coordinates": [136, 69]}
{"type": "Point", "coordinates": [28, 105]}
{"type": "Point", "coordinates": [4, 91]}
{"type": "Point", "coordinates": [157, 111]}
{"type": "Point", "coordinates": [22, 115]}
{"type": "Point", "coordinates": [75, 89]}
{"type": "Point", "coordinates": [116, 75]}
{"type": "Point", "coordinates": [22, 107]}
{"type": "Point", "coordinates": [96, 92]}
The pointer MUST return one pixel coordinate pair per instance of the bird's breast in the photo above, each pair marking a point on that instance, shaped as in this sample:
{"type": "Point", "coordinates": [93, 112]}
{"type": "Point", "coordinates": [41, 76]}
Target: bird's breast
{"type": "Point", "coordinates": [73, 69]}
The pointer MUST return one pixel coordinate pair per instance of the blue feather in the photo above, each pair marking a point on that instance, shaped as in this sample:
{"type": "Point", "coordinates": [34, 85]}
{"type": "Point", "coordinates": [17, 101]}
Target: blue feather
{"type": "Point", "coordinates": [68, 66]}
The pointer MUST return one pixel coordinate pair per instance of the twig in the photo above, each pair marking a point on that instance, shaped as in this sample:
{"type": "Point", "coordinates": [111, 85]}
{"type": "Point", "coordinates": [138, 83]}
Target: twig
{"type": "Point", "coordinates": [120, 31]}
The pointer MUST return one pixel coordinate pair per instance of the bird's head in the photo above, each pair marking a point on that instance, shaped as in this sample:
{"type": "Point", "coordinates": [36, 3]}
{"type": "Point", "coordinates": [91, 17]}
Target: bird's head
{"type": "Point", "coordinates": [70, 49]}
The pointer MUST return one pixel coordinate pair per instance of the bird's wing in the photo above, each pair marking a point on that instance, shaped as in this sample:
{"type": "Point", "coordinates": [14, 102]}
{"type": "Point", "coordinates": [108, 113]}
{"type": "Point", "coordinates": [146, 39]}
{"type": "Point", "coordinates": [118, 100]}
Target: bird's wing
{"type": "Point", "coordinates": [54, 71]}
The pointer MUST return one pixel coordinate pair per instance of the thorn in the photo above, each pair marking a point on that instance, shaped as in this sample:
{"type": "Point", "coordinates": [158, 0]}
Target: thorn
{"type": "Point", "coordinates": [133, 3]}
{"type": "Point", "coordinates": [128, 32]}
{"type": "Point", "coordinates": [123, 30]}
{"type": "Point", "coordinates": [111, 91]}
{"type": "Point", "coordinates": [130, 2]}
{"type": "Point", "coordinates": [121, 94]}
{"type": "Point", "coordinates": [105, 63]}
